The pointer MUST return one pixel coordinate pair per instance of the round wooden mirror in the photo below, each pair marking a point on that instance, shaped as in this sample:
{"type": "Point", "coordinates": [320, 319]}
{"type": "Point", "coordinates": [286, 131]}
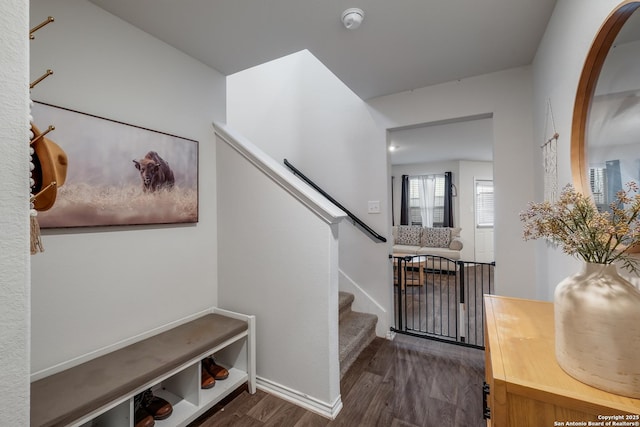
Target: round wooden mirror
{"type": "Point", "coordinates": [605, 92]}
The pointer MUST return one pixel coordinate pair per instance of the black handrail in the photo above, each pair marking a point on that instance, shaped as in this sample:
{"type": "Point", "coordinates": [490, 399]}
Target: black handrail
{"type": "Point", "coordinates": [334, 201]}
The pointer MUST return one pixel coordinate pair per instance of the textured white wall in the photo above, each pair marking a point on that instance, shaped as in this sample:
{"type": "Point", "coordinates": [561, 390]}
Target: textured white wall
{"type": "Point", "coordinates": [508, 96]}
{"type": "Point", "coordinates": [556, 71]}
{"type": "Point", "coordinates": [14, 214]}
{"type": "Point", "coordinates": [94, 287]}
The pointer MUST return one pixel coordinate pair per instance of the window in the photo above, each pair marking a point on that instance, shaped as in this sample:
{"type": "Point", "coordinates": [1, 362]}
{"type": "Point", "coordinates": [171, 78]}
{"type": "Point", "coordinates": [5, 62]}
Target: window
{"type": "Point", "coordinates": [415, 217]}
{"type": "Point", "coordinates": [484, 203]}
{"type": "Point", "coordinates": [426, 200]}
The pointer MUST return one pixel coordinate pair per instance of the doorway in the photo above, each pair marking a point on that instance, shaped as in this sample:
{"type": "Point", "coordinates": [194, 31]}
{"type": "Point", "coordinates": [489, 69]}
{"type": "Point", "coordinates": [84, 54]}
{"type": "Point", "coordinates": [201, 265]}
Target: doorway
{"type": "Point", "coordinates": [464, 147]}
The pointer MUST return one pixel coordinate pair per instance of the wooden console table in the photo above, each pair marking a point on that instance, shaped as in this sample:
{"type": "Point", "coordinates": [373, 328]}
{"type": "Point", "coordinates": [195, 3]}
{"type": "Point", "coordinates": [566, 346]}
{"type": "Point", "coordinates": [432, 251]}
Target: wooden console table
{"type": "Point", "coordinates": [526, 386]}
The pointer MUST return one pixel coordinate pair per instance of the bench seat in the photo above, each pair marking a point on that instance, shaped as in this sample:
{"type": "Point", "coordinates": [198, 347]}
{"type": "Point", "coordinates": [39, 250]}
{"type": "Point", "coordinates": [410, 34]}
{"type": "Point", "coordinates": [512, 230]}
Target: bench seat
{"type": "Point", "coordinates": [67, 396]}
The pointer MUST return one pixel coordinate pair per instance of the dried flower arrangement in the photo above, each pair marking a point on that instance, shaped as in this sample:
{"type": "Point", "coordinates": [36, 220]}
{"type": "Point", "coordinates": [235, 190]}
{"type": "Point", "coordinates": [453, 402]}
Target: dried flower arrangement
{"type": "Point", "coordinates": [574, 223]}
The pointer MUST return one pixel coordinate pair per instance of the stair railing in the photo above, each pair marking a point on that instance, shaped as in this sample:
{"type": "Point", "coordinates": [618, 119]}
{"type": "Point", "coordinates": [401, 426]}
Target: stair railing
{"type": "Point", "coordinates": [354, 218]}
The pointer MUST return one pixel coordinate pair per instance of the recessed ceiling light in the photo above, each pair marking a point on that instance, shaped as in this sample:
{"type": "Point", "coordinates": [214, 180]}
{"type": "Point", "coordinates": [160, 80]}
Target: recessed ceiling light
{"type": "Point", "coordinates": [393, 147]}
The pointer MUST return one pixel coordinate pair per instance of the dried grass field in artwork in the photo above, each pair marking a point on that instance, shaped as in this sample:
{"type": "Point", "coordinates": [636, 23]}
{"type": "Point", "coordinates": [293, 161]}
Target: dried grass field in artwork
{"type": "Point", "coordinates": [119, 174]}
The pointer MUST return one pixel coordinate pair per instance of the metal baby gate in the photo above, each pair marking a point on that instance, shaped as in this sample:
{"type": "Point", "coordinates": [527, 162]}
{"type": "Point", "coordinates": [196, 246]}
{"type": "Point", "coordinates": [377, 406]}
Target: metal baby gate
{"type": "Point", "coordinates": [441, 299]}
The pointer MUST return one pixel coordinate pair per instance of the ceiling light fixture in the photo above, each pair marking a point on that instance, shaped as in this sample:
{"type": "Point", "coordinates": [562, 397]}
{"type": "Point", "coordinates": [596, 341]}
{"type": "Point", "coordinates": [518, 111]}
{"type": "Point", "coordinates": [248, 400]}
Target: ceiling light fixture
{"type": "Point", "coordinates": [352, 18]}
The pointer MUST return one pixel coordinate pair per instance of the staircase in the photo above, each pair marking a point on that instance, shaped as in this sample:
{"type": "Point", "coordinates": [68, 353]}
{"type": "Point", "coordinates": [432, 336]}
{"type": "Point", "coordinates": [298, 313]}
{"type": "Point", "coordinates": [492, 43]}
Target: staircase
{"type": "Point", "coordinates": [356, 331]}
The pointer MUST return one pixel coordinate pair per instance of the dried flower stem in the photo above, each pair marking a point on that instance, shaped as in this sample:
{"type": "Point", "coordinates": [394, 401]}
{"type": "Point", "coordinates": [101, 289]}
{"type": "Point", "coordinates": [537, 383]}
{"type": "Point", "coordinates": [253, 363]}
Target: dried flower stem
{"type": "Point", "coordinates": [575, 224]}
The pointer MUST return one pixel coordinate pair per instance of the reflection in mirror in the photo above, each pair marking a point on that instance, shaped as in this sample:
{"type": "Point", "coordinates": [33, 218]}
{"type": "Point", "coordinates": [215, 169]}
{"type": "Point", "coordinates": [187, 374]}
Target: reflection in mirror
{"type": "Point", "coordinates": [613, 124]}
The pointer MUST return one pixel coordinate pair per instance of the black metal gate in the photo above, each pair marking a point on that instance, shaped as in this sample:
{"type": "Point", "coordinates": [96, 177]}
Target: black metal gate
{"type": "Point", "coordinates": [441, 299]}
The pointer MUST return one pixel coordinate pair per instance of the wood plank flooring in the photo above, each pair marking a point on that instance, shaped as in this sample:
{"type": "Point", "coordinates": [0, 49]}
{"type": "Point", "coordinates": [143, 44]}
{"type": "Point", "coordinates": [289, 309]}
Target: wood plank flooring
{"type": "Point", "coordinates": [407, 382]}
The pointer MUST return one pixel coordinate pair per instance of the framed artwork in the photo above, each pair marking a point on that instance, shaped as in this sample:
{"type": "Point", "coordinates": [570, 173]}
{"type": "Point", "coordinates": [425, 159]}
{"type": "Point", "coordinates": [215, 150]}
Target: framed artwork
{"type": "Point", "coordinates": [118, 174]}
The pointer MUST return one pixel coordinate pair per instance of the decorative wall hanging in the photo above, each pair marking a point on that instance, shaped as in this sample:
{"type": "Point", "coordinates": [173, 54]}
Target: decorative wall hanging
{"type": "Point", "coordinates": [120, 174]}
{"type": "Point", "coordinates": [41, 165]}
{"type": "Point", "coordinates": [550, 158]}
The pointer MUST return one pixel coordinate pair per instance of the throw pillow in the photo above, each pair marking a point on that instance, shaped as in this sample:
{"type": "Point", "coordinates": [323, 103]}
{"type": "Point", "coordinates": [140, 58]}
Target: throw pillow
{"type": "Point", "coordinates": [408, 235]}
{"type": "Point", "coordinates": [436, 237]}
{"type": "Point", "coordinates": [456, 244]}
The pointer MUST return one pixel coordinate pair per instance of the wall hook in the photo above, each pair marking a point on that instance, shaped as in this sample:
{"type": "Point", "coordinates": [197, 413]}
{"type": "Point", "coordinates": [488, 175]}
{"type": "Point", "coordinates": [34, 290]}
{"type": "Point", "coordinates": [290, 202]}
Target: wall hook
{"type": "Point", "coordinates": [37, 27]}
{"type": "Point", "coordinates": [35, 196]}
{"type": "Point", "coordinates": [49, 129]}
{"type": "Point", "coordinates": [41, 78]}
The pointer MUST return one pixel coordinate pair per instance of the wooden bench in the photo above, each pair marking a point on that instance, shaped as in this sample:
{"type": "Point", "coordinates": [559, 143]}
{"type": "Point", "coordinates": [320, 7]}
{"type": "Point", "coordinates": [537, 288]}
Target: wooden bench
{"type": "Point", "coordinates": [169, 361]}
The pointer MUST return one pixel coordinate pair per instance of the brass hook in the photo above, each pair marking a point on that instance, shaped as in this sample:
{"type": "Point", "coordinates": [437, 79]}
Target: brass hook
{"type": "Point", "coordinates": [41, 78]}
{"type": "Point", "coordinates": [49, 129]}
{"type": "Point", "coordinates": [35, 196]}
{"type": "Point", "coordinates": [37, 27]}
{"type": "Point", "coordinates": [555, 136]}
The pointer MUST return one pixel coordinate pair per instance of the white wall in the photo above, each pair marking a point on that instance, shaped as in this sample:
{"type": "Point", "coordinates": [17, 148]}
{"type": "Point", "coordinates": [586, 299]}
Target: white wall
{"type": "Point", "coordinates": [556, 71]}
{"type": "Point", "coordinates": [508, 96]}
{"type": "Point", "coordinates": [279, 261]}
{"type": "Point", "coordinates": [95, 287]}
{"type": "Point", "coordinates": [295, 108]}
{"type": "Point", "coordinates": [14, 214]}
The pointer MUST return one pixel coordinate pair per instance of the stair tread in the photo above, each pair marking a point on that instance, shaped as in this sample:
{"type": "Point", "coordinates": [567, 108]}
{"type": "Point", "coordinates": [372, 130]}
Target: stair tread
{"type": "Point", "coordinates": [344, 301]}
{"type": "Point", "coordinates": [355, 322]}
{"type": "Point", "coordinates": [356, 331]}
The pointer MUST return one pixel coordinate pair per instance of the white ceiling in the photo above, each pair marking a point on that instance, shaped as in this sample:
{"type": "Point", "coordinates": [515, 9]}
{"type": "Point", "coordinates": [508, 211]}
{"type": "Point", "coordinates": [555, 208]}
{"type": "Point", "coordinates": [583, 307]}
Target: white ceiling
{"type": "Point", "coordinates": [401, 45]}
{"type": "Point", "coordinates": [468, 139]}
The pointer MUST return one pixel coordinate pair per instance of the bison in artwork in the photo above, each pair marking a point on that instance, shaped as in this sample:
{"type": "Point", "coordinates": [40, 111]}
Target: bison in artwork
{"type": "Point", "coordinates": [155, 173]}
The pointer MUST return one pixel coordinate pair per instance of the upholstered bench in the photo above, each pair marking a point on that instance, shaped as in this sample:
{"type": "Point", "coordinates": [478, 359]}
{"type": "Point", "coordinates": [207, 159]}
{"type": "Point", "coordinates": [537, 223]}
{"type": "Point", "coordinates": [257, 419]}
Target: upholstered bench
{"type": "Point", "coordinates": [86, 391]}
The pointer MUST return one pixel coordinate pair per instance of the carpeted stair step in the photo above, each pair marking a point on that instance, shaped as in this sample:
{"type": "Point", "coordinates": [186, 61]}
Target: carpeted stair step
{"type": "Point", "coordinates": [356, 331]}
{"type": "Point", "coordinates": [345, 300]}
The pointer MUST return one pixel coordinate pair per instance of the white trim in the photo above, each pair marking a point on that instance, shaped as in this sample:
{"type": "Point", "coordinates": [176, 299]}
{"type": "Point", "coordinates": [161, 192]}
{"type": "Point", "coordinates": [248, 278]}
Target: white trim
{"type": "Point", "coordinates": [251, 342]}
{"type": "Point", "coordinates": [280, 175]}
{"type": "Point", "coordinates": [325, 409]}
{"type": "Point", "coordinates": [369, 298]}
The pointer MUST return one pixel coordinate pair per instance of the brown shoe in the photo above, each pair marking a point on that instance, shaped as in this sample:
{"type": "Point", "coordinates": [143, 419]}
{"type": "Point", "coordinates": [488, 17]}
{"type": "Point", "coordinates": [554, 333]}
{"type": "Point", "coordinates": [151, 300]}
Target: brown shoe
{"type": "Point", "coordinates": [141, 417]}
{"type": "Point", "coordinates": [206, 380]}
{"type": "Point", "coordinates": [216, 371]}
{"type": "Point", "coordinates": [159, 408]}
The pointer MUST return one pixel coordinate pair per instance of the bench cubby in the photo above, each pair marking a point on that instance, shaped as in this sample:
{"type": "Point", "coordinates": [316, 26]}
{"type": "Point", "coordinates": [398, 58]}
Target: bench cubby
{"type": "Point", "coordinates": [100, 392]}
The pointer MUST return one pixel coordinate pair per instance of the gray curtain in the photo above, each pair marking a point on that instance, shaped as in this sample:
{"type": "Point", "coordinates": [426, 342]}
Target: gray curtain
{"type": "Point", "coordinates": [404, 201]}
{"type": "Point", "coordinates": [448, 200]}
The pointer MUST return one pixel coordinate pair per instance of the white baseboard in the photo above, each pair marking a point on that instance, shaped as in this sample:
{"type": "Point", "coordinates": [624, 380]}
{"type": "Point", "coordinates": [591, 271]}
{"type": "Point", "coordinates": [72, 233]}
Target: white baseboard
{"type": "Point", "coordinates": [325, 409]}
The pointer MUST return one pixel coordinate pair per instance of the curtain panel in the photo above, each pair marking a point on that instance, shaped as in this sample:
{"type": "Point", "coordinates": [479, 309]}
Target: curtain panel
{"type": "Point", "coordinates": [404, 201]}
{"type": "Point", "coordinates": [448, 200]}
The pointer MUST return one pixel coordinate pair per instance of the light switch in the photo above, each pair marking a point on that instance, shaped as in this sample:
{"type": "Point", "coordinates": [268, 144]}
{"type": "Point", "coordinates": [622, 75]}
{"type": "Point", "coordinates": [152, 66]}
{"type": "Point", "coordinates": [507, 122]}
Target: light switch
{"type": "Point", "coordinates": [374, 206]}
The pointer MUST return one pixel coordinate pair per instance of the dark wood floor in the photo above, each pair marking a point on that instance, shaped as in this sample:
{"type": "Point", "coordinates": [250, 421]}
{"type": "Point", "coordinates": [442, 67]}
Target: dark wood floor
{"type": "Point", "coordinates": [407, 382]}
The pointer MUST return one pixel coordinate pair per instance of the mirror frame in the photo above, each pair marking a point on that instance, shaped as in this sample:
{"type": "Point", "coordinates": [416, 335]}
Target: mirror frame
{"type": "Point", "coordinates": [586, 88]}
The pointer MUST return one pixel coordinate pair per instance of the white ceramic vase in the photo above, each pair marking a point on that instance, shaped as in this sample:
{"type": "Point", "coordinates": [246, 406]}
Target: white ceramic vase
{"type": "Point", "coordinates": [597, 327]}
